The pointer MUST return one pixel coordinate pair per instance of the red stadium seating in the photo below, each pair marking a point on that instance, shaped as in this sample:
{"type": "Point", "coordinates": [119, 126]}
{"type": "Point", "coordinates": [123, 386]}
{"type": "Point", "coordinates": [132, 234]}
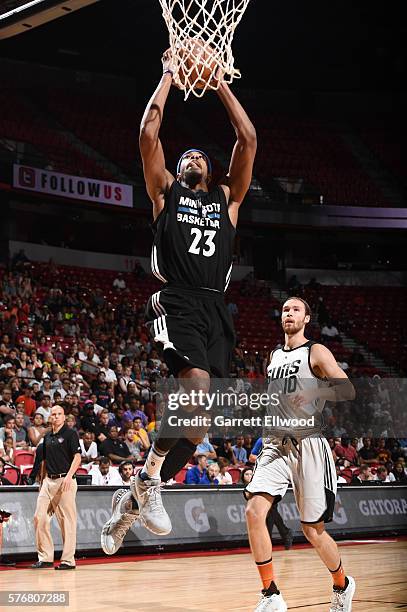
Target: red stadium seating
{"type": "Point", "coordinates": [180, 477]}
{"type": "Point", "coordinates": [291, 146]}
{"type": "Point", "coordinates": [12, 474]}
{"type": "Point", "coordinates": [24, 458]}
{"type": "Point", "coordinates": [26, 471]}
{"type": "Point", "coordinates": [386, 141]}
{"type": "Point", "coordinates": [235, 473]}
{"type": "Point", "coordinates": [81, 472]}
{"type": "Point", "coordinates": [50, 147]}
{"type": "Point", "coordinates": [310, 148]}
{"type": "Point", "coordinates": [372, 316]}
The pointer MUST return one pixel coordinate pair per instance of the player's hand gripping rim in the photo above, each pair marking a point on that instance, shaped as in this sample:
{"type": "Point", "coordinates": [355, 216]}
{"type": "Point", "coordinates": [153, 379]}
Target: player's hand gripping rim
{"type": "Point", "coordinates": [169, 64]}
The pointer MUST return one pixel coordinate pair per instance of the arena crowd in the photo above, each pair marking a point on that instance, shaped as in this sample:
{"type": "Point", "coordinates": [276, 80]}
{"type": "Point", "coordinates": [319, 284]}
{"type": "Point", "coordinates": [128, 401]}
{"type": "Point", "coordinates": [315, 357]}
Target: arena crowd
{"type": "Point", "coordinates": [66, 345]}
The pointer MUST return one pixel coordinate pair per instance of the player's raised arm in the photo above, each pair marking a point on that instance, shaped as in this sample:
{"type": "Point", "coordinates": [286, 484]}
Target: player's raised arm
{"type": "Point", "coordinates": [244, 151]}
{"type": "Point", "coordinates": [158, 179]}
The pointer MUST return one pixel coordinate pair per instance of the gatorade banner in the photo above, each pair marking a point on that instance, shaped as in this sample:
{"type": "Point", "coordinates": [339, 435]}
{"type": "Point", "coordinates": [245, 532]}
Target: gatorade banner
{"type": "Point", "coordinates": [201, 515]}
{"type": "Point", "coordinates": [73, 187]}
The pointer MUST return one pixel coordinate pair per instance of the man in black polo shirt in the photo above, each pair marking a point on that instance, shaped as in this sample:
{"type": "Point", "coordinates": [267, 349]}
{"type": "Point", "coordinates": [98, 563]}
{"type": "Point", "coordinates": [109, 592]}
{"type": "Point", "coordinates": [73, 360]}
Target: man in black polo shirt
{"type": "Point", "coordinates": [114, 448]}
{"type": "Point", "coordinates": [61, 459]}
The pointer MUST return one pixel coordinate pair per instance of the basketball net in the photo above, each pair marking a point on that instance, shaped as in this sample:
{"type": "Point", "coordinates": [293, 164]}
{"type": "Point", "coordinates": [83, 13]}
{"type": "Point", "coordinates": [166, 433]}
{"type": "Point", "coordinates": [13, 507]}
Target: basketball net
{"type": "Point", "coordinates": [202, 30]}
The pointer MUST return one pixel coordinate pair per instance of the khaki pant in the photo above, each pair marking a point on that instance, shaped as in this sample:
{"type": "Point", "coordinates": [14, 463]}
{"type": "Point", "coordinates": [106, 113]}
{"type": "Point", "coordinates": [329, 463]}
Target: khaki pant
{"type": "Point", "coordinates": [64, 506]}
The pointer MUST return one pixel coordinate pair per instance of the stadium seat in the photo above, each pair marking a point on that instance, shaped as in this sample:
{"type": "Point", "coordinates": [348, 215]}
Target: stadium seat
{"type": "Point", "coordinates": [12, 474]}
{"type": "Point", "coordinates": [26, 470]}
{"type": "Point", "coordinates": [235, 473]}
{"type": "Point", "coordinates": [81, 472]}
{"type": "Point", "coordinates": [180, 477]}
{"type": "Point", "coordinates": [294, 146]}
{"type": "Point", "coordinates": [24, 458]}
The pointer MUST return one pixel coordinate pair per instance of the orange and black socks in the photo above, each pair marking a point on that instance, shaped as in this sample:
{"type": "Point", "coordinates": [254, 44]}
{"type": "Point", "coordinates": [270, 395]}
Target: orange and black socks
{"type": "Point", "coordinates": [266, 574]}
{"type": "Point", "coordinates": [339, 577]}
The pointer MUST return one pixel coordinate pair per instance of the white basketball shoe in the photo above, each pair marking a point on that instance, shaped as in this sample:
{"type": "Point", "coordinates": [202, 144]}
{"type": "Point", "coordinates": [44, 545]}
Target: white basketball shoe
{"type": "Point", "coordinates": [271, 603]}
{"type": "Point", "coordinates": [123, 517]}
{"type": "Point", "coordinates": [342, 599]}
{"type": "Point", "coordinates": [153, 515]}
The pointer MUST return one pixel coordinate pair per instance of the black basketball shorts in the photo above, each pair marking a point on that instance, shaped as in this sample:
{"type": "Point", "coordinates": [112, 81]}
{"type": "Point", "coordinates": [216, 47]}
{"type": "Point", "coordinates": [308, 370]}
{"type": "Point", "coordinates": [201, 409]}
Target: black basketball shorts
{"type": "Point", "coordinates": [194, 327]}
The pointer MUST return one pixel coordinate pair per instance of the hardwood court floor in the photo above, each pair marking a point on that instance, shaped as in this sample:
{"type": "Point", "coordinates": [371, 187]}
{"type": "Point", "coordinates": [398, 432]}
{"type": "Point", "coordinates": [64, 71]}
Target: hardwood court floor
{"type": "Point", "coordinates": [224, 583]}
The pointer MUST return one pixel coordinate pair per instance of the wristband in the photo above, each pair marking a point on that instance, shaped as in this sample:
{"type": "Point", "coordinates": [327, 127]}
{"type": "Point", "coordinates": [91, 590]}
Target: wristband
{"type": "Point", "coordinates": [168, 70]}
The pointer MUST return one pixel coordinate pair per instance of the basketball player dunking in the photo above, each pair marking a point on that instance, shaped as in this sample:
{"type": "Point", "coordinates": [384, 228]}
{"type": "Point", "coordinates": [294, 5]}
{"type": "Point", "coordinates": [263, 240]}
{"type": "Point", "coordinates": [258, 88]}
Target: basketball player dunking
{"type": "Point", "coordinates": [299, 457]}
{"type": "Point", "coordinates": [194, 231]}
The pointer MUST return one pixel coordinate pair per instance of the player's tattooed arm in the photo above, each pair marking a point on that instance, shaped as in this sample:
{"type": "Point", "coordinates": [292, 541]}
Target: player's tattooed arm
{"type": "Point", "coordinates": [158, 178]}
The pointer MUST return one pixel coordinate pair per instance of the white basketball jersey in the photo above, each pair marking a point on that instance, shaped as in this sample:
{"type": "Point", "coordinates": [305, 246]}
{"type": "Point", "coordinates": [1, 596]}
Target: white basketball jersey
{"type": "Point", "coordinates": [290, 372]}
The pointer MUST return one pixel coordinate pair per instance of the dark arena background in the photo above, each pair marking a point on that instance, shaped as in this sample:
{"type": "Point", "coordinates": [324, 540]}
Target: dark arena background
{"type": "Point", "coordinates": [325, 219]}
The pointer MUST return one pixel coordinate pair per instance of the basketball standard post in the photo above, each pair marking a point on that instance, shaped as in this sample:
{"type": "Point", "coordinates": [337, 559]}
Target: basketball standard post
{"type": "Point", "coordinates": [201, 35]}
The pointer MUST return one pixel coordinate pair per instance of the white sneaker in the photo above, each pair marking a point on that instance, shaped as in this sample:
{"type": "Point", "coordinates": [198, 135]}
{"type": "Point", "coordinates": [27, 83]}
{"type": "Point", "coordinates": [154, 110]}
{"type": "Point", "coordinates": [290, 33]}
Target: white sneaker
{"type": "Point", "coordinates": [271, 603]}
{"type": "Point", "coordinates": [123, 517]}
{"type": "Point", "coordinates": [147, 493]}
{"type": "Point", "coordinates": [342, 600]}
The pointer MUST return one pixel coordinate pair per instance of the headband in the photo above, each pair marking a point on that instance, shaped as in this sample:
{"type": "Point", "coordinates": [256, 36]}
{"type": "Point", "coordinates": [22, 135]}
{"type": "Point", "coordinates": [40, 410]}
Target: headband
{"type": "Point", "coordinates": [208, 161]}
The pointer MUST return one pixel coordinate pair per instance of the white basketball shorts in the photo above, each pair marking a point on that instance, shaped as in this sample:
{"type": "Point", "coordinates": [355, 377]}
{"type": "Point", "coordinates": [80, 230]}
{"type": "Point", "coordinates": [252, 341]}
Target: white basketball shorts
{"type": "Point", "coordinates": [308, 466]}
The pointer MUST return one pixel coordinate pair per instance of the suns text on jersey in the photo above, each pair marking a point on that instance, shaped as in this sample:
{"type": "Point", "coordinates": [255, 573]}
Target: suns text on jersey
{"type": "Point", "coordinates": [283, 371]}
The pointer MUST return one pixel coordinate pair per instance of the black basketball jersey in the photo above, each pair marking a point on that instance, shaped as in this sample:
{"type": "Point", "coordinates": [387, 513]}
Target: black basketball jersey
{"type": "Point", "coordinates": [193, 239]}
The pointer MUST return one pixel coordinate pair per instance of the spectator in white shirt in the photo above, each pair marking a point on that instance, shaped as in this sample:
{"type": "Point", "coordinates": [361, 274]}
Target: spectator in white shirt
{"type": "Point", "coordinates": [382, 475]}
{"type": "Point", "coordinates": [44, 408]}
{"type": "Point", "coordinates": [46, 387]}
{"type": "Point", "coordinates": [126, 472]}
{"type": "Point", "coordinates": [119, 283]}
{"type": "Point", "coordinates": [97, 408]}
{"type": "Point", "coordinates": [224, 478]}
{"type": "Point", "coordinates": [88, 354]}
{"type": "Point", "coordinates": [89, 449]}
{"type": "Point", "coordinates": [110, 376]}
{"type": "Point", "coordinates": [330, 332]}
{"type": "Point", "coordinates": [104, 474]}
{"type": "Point", "coordinates": [66, 388]}
{"type": "Point", "coordinates": [92, 356]}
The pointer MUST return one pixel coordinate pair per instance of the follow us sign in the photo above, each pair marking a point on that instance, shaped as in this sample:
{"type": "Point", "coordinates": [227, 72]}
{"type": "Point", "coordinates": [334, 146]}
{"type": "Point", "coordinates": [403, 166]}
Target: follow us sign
{"type": "Point", "coordinates": [72, 187]}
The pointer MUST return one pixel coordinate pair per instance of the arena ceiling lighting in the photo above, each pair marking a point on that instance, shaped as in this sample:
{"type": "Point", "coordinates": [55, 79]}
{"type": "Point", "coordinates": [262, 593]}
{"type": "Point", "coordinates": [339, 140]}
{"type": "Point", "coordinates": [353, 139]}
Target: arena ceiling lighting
{"type": "Point", "coordinates": [18, 17]}
{"type": "Point", "coordinates": [20, 6]}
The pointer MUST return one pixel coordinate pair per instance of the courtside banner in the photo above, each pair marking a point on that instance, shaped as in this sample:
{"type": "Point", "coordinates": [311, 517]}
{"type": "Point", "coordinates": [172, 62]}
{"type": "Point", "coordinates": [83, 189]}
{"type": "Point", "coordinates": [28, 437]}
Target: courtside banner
{"type": "Point", "coordinates": [201, 515]}
{"type": "Point", "coordinates": [73, 187]}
